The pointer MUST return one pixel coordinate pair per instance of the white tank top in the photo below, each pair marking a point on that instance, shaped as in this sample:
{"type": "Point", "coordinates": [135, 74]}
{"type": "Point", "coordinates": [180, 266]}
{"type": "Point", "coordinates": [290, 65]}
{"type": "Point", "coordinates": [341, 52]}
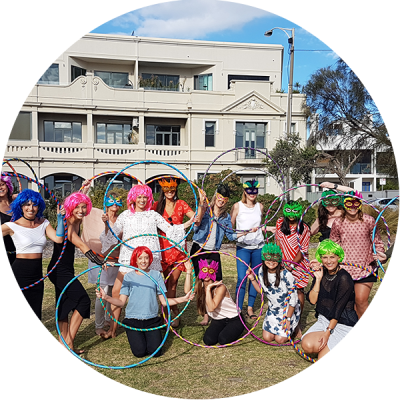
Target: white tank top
{"type": "Point", "coordinates": [248, 218]}
{"type": "Point", "coordinates": [29, 240]}
{"type": "Point", "coordinates": [226, 309]}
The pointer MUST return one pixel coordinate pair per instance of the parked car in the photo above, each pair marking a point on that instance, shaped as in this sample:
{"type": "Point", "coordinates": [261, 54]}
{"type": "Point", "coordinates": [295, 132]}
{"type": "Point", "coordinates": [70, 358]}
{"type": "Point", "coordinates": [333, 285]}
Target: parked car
{"type": "Point", "coordinates": [382, 202]}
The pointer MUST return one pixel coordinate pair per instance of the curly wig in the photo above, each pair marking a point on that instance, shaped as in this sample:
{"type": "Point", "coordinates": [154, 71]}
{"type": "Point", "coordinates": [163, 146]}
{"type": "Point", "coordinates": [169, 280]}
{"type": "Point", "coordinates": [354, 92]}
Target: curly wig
{"type": "Point", "coordinates": [24, 197]}
{"type": "Point", "coordinates": [140, 190]}
{"type": "Point", "coordinates": [138, 252]}
{"type": "Point", "coordinates": [73, 200]}
{"type": "Point", "coordinates": [328, 246]}
{"type": "Point", "coordinates": [8, 181]}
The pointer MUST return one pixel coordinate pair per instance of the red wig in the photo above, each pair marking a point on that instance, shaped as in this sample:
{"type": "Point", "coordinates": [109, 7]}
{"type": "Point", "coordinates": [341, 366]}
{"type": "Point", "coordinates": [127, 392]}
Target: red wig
{"type": "Point", "coordinates": [138, 252]}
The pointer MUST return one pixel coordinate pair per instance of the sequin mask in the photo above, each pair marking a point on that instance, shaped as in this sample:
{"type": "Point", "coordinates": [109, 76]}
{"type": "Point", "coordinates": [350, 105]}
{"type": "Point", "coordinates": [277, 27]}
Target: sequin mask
{"type": "Point", "coordinates": [293, 210]}
{"type": "Point", "coordinates": [331, 201]}
{"type": "Point", "coordinates": [113, 201]}
{"type": "Point", "coordinates": [221, 198]}
{"type": "Point", "coordinates": [208, 271]}
{"type": "Point", "coordinates": [273, 257]}
{"type": "Point", "coordinates": [251, 187]}
{"type": "Point", "coordinates": [351, 203]}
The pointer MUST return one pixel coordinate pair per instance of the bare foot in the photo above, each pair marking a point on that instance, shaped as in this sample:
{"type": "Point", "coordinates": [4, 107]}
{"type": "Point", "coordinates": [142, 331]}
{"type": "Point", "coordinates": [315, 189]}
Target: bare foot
{"type": "Point", "coordinates": [205, 320]}
{"type": "Point", "coordinates": [175, 323]}
{"type": "Point", "coordinates": [78, 351]}
{"type": "Point", "coordinates": [109, 334]}
{"type": "Point", "coordinates": [100, 331]}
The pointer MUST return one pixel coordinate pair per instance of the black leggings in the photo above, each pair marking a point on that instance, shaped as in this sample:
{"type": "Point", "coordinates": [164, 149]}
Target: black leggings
{"type": "Point", "coordinates": [209, 257]}
{"type": "Point", "coordinates": [144, 343]}
{"type": "Point", "coordinates": [223, 331]}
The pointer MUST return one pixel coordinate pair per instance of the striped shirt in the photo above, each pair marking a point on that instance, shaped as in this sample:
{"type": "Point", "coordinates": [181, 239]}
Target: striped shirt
{"type": "Point", "coordinates": [290, 248]}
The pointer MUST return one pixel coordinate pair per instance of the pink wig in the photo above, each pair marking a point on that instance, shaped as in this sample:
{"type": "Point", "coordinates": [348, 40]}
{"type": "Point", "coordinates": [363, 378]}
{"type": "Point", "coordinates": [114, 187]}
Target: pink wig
{"type": "Point", "coordinates": [73, 200]}
{"type": "Point", "coordinates": [140, 190]}
{"type": "Point", "coordinates": [7, 180]}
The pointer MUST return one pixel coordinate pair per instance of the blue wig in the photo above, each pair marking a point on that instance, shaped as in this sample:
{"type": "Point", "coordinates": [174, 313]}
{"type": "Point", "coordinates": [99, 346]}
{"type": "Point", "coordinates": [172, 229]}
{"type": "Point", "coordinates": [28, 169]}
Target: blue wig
{"type": "Point", "coordinates": [24, 197]}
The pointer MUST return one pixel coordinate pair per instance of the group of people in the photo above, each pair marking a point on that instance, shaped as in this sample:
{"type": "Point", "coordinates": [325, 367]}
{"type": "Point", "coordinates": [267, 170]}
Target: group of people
{"type": "Point", "coordinates": [144, 236]}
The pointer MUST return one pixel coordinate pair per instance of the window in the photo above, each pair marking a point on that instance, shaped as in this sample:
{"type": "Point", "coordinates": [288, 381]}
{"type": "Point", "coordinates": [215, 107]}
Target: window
{"type": "Point", "coordinates": [163, 135]}
{"type": "Point", "coordinates": [67, 132]}
{"type": "Point", "coordinates": [114, 79]}
{"type": "Point", "coordinates": [293, 127]}
{"type": "Point", "coordinates": [246, 78]}
{"type": "Point", "coordinates": [22, 127]}
{"type": "Point", "coordinates": [62, 185]}
{"type": "Point", "coordinates": [159, 82]}
{"type": "Point", "coordinates": [366, 186]}
{"type": "Point", "coordinates": [113, 133]}
{"type": "Point", "coordinates": [210, 129]}
{"type": "Point", "coordinates": [203, 82]}
{"type": "Point", "coordinates": [250, 134]}
{"type": "Point", "coordinates": [76, 71]}
{"type": "Point", "coordinates": [51, 76]}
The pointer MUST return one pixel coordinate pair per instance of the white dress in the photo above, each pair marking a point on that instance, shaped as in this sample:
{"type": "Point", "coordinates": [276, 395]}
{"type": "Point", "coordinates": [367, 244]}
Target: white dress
{"type": "Point", "coordinates": [276, 299]}
{"type": "Point", "coordinates": [139, 223]}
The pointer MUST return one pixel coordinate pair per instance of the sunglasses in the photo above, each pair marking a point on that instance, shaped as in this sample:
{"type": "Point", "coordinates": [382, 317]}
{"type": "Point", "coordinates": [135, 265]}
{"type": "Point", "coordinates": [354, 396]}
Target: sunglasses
{"type": "Point", "coordinates": [170, 221]}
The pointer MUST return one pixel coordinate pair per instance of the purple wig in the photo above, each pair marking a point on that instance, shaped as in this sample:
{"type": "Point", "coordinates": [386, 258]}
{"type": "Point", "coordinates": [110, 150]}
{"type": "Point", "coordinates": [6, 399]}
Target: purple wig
{"type": "Point", "coordinates": [73, 200]}
{"type": "Point", "coordinates": [7, 180]}
{"type": "Point", "coordinates": [140, 190]}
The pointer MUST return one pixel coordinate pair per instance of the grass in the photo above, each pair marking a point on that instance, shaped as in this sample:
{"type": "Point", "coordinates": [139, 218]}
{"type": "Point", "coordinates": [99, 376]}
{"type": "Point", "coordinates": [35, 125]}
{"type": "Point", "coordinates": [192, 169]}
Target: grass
{"type": "Point", "coordinates": [186, 371]}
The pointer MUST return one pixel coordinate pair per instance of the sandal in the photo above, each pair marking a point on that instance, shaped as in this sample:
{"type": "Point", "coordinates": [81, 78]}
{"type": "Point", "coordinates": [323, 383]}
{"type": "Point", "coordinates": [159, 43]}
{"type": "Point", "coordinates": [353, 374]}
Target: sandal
{"type": "Point", "coordinates": [252, 316]}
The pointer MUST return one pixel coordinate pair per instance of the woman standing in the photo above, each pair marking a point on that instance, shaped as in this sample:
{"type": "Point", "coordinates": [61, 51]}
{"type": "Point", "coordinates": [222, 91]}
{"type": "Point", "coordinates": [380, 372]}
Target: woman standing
{"type": "Point", "coordinates": [6, 198]}
{"type": "Point", "coordinates": [354, 233]}
{"type": "Point", "coordinates": [138, 220]}
{"type": "Point", "coordinates": [28, 232]}
{"type": "Point", "coordinates": [214, 299]}
{"type": "Point", "coordinates": [75, 299]}
{"type": "Point", "coordinates": [286, 238]}
{"type": "Point", "coordinates": [332, 291]}
{"type": "Point", "coordinates": [173, 211]}
{"type": "Point", "coordinates": [246, 215]}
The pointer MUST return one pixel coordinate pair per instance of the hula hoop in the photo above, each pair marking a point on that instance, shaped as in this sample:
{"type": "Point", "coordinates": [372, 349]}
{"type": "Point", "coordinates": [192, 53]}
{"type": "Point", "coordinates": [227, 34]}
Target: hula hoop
{"type": "Point", "coordinates": [26, 163]}
{"type": "Point", "coordinates": [108, 173]}
{"type": "Point", "coordinates": [236, 341]}
{"type": "Point", "coordinates": [107, 366]}
{"type": "Point", "coordinates": [124, 265]}
{"type": "Point", "coordinates": [65, 229]}
{"type": "Point", "coordinates": [15, 172]}
{"type": "Point", "coordinates": [316, 201]}
{"type": "Point", "coordinates": [149, 162]}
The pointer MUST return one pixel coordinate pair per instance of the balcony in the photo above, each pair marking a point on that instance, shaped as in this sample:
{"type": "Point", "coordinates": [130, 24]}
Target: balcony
{"type": "Point", "coordinates": [248, 156]}
{"type": "Point", "coordinates": [361, 168]}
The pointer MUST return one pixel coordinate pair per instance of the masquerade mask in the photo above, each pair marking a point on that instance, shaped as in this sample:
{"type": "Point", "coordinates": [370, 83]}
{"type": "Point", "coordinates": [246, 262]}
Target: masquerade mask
{"type": "Point", "coordinates": [251, 187]}
{"type": "Point", "coordinates": [330, 201]}
{"type": "Point", "coordinates": [292, 210]}
{"type": "Point", "coordinates": [168, 186]}
{"type": "Point", "coordinates": [206, 270]}
{"type": "Point", "coordinates": [271, 252]}
{"type": "Point", "coordinates": [111, 201]}
{"type": "Point", "coordinates": [222, 198]}
{"type": "Point", "coordinates": [351, 203]}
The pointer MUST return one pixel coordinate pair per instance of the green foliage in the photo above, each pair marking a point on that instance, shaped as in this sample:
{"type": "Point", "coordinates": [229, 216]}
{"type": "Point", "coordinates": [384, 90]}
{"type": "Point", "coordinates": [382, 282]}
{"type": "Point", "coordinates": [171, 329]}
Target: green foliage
{"type": "Point", "coordinates": [98, 190]}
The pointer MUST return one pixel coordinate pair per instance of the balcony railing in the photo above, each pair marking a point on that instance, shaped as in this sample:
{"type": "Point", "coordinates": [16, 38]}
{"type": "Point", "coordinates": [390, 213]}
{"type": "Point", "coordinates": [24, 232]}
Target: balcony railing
{"type": "Point", "coordinates": [249, 155]}
{"type": "Point", "coordinates": [361, 168]}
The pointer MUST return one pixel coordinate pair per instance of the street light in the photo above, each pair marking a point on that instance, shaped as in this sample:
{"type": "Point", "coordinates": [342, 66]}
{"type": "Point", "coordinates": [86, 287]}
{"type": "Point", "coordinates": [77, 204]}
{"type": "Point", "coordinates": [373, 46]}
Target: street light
{"type": "Point", "coordinates": [290, 85]}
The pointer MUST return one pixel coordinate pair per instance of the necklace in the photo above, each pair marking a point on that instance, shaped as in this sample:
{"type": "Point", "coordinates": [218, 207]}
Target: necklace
{"type": "Point", "coordinates": [332, 277]}
{"type": "Point", "coordinates": [28, 218]}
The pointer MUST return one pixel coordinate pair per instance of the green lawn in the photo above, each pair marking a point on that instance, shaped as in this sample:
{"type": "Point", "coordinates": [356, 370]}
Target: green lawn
{"type": "Point", "coordinates": [184, 370]}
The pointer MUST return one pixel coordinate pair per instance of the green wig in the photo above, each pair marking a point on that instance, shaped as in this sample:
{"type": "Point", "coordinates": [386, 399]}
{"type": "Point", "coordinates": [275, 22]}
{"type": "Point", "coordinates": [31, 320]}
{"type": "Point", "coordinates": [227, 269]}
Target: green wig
{"type": "Point", "coordinates": [271, 252]}
{"type": "Point", "coordinates": [328, 246]}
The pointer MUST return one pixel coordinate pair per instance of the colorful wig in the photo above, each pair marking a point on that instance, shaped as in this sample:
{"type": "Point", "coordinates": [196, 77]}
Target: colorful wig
{"type": "Point", "coordinates": [138, 252]}
{"type": "Point", "coordinates": [73, 200]}
{"type": "Point", "coordinates": [334, 201]}
{"type": "Point", "coordinates": [8, 181]}
{"type": "Point", "coordinates": [271, 252]}
{"type": "Point", "coordinates": [206, 270]}
{"type": "Point", "coordinates": [140, 190]}
{"type": "Point", "coordinates": [24, 197]}
{"type": "Point", "coordinates": [328, 246]}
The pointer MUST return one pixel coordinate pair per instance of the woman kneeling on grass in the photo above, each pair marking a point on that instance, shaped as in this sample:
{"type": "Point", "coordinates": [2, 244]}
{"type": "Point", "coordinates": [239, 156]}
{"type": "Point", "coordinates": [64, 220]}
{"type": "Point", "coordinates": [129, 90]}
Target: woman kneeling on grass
{"type": "Point", "coordinates": [332, 290]}
{"type": "Point", "coordinates": [276, 282]}
{"type": "Point", "coordinates": [142, 309]}
{"type": "Point", "coordinates": [214, 299]}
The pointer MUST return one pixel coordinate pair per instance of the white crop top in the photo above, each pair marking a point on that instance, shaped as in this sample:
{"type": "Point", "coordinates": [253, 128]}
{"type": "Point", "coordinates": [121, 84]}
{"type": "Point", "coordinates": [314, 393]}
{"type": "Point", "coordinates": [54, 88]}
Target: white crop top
{"type": "Point", "coordinates": [29, 240]}
{"type": "Point", "coordinates": [248, 218]}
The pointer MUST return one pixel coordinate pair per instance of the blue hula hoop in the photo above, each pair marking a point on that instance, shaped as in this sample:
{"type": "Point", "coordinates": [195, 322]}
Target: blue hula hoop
{"type": "Point", "coordinates": [150, 162]}
{"type": "Point", "coordinates": [107, 366]}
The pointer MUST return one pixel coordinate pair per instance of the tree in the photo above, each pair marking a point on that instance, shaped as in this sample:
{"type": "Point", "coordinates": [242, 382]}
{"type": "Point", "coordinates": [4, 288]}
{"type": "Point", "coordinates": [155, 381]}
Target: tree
{"type": "Point", "coordinates": [296, 162]}
{"type": "Point", "coordinates": [344, 116]}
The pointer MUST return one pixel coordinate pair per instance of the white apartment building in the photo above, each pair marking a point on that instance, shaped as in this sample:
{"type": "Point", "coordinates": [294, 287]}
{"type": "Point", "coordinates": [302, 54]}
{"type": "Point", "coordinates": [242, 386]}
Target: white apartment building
{"type": "Point", "coordinates": [109, 101]}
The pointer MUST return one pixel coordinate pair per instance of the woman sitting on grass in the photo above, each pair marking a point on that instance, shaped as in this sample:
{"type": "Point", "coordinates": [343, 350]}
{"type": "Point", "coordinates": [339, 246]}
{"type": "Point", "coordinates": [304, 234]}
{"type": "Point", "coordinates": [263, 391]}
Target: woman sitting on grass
{"type": "Point", "coordinates": [332, 290]}
{"type": "Point", "coordinates": [142, 309]}
{"type": "Point", "coordinates": [214, 299]}
{"type": "Point", "coordinates": [276, 282]}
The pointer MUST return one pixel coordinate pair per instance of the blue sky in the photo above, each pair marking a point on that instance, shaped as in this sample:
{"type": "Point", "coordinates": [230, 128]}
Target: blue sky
{"type": "Point", "coordinates": [224, 21]}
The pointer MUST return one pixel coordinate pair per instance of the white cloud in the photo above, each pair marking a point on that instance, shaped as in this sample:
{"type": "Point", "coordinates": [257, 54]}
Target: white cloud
{"type": "Point", "coordinates": [188, 19]}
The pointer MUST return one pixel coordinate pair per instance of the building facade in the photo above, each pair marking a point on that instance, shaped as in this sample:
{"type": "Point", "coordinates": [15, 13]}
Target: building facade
{"type": "Point", "coordinates": [110, 101]}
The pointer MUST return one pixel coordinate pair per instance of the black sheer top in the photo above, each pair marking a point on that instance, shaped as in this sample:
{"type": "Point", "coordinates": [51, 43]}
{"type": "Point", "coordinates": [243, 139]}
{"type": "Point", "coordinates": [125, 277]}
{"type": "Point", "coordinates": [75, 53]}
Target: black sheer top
{"type": "Point", "coordinates": [336, 298]}
{"type": "Point", "coordinates": [325, 234]}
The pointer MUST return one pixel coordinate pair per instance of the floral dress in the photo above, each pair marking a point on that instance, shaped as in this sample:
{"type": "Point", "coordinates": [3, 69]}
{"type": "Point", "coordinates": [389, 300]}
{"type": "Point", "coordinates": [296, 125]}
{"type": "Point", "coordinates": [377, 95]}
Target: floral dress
{"type": "Point", "coordinates": [276, 299]}
{"type": "Point", "coordinates": [169, 257]}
